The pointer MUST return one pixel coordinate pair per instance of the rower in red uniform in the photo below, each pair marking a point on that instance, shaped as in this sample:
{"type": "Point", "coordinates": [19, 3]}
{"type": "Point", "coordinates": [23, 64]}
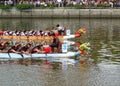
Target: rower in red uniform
{"type": "Point", "coordinates": [55, 43]}
{"type": "Point", "coordinates": [15, 48]}
{"type": "Point", "coordinates": [25, 49]}
{"type": "Point", "coordinates": [37, 49]}
{"type": "Point", "coordinates": [4, 46]}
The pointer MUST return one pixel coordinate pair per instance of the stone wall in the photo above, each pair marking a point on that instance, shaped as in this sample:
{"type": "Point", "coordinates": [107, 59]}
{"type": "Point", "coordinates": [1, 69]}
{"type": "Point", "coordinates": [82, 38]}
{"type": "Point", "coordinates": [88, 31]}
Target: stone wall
{"type": "Point", "coordinates": [60, 13]}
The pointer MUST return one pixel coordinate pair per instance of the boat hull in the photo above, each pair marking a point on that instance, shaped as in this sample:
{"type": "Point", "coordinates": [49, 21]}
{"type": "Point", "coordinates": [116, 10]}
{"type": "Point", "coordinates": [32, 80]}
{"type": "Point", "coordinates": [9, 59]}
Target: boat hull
{"type": "Point", "coordinates": [54, 55]}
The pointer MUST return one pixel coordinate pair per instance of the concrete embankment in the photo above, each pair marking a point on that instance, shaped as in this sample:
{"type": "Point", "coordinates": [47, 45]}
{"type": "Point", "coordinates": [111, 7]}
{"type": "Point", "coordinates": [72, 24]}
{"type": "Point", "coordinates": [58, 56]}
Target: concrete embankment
{"type": "Point", "coordinates": [60, 13]}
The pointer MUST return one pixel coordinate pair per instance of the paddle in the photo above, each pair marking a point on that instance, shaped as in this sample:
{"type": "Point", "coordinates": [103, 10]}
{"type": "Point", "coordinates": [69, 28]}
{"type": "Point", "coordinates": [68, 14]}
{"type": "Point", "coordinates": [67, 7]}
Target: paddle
{"type": "Point", "coordinates": [9, 57]}
{"type": "Point", "coordinates": [16, 53]}
{"type": "Point", "coordinates": [46, 58]}
{"type": "Point", "coordinates": [31, 58]}
{"type": "Point", "coordinates": [24, 58]}
{"type": "Point", "coordinates": [21, 55]}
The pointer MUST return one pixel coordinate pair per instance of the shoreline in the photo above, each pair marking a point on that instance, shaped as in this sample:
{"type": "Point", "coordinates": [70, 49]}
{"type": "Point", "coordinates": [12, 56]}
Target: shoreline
{"type": "Point", "coordinates": [60, 13]}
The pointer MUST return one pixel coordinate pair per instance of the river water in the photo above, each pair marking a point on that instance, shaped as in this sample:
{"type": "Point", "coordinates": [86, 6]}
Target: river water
{"type": "Point", "coordinates": [101, 66]}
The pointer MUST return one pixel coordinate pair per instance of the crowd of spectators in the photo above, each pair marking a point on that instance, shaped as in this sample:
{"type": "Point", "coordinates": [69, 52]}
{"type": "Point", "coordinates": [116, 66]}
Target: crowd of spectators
{"type": "Point", "coordinates": [62, 3]}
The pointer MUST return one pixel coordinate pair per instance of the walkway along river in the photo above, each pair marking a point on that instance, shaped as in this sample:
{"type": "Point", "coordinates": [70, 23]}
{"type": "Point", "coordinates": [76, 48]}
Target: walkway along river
{"type": "Point", "coordinates": [60, 13]}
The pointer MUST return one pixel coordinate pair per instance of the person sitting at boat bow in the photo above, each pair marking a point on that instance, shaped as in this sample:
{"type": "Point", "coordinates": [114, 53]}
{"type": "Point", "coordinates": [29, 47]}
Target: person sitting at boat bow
{"type": "Point", "coordinates": [25, 49]}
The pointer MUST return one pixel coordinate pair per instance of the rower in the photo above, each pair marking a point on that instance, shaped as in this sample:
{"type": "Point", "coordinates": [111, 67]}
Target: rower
{"type": "Point", "coordinates": [55, 43]}
{"type": "Point", "coordinates": [25, 49]}
{"type": "Point", "coordinates": [15, 48]}
{"type": "Point", "coordinates": [4, 46]}
{"type": "Point", "coordinates": [37, 49]}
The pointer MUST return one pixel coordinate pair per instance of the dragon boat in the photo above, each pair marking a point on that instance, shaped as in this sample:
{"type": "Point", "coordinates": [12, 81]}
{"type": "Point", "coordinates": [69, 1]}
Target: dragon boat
{"type": "Point", "coordinates": [49, 56]}
{"type": "Point", "coordinates": [77, 34]}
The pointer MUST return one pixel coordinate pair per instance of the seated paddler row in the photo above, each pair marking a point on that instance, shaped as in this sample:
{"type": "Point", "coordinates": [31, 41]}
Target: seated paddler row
{"type": "Point", "coordinates": [29, 48]}
{"type": "Point", "coordinates": [59, 30]}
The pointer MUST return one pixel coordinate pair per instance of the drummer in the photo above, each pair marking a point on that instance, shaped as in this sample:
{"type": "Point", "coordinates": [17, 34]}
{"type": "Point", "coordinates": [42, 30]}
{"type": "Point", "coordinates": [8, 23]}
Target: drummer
{"type": "Point", "coordinates": [60, 29]}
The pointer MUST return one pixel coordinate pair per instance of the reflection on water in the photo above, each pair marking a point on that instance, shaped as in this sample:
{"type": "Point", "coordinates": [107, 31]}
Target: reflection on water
{"type": "Point", "coordinates": [103, 70]}
{"type": "Point", "coordinates": [85, 75]}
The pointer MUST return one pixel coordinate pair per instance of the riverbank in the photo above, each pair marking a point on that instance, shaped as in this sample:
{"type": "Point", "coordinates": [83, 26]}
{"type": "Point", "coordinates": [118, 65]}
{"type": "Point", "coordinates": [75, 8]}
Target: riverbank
{"type": "Point", "coordinates": [60, 13]}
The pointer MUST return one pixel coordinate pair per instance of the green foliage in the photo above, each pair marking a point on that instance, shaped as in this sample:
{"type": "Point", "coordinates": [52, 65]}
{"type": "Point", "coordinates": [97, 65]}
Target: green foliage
{"type": "Point", "coordinates": [24, 6]}
{"type": "Point", "coordinates": [70, 5]}
{"type": "Point", "coordinates": [78, 6]}
{"type": "Point", "coordinates": [93, 7]}
{"type": "Point", "coordinates": [51, 6]}
{"type": "Point", "coordinates": [102, 5]}
{"type": "Point", "coordinates": [42, 6]}
{"type": "Point", "coordinates": [5, 7]}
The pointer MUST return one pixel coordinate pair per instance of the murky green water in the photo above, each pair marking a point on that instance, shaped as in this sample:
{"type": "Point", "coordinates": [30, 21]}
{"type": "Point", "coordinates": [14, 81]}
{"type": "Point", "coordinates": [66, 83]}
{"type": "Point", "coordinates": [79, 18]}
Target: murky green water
{"type": "Point", "coordinates": [102, 69]}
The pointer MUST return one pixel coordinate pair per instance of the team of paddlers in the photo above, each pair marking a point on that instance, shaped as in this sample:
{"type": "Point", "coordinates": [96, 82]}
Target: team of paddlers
{"type": "Point", "coordinates": [28, 48]}
{"type": "Point", "coordinates": [59, 30]}
{"type": "Point", "coordinates": [40, 47]}
{"type": "Point", "coordinates": [19, 48]}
